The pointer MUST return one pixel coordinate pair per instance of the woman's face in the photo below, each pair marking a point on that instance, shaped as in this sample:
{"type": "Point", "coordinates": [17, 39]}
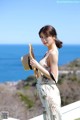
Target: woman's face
{"type": "Point", "coordinates": [47, 41]}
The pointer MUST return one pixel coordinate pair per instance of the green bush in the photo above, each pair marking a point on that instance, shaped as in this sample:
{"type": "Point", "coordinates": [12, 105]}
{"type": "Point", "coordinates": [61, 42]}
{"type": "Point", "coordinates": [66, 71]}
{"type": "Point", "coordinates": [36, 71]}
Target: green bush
{"type": "Point", "coordinates": [61, 78]}
{"type": "Point", "coordinates": [31, 80]}
{"type": "Point", "coordinates": [26, 100]}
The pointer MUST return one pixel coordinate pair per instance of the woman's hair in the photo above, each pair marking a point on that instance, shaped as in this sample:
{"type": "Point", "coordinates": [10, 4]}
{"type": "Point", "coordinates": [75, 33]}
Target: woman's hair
{"type": "Point", "coordinates": [49, 30]}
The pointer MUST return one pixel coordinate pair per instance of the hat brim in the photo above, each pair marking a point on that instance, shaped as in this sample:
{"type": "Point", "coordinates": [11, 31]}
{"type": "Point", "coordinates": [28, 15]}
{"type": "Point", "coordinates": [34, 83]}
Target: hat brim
{"type": "Point", "coordinates": [26, 62]}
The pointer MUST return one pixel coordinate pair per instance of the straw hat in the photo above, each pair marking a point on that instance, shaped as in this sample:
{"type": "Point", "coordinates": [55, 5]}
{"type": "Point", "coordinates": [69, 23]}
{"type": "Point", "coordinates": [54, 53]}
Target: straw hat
{"type": "Point", "coordinates": [26, 62]}
{"type": "Point", "coordinates": [25, 59]}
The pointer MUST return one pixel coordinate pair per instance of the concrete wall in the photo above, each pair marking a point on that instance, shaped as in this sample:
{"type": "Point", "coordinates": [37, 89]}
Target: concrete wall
{"type": "Point", "coordinates": [69, 112]}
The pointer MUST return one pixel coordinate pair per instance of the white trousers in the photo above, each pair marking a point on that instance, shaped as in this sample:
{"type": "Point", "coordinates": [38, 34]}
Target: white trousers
{"type": "Point", "coordinates": [50, 98]}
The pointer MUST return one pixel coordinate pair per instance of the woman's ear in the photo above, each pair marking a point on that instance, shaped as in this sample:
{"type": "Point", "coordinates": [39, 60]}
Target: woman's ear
{"type": "Point", "coordinates": [54, 38]}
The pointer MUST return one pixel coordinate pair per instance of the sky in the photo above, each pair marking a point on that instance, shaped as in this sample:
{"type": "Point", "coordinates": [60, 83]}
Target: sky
{"type": "Point", "coordinates": [21, 20]}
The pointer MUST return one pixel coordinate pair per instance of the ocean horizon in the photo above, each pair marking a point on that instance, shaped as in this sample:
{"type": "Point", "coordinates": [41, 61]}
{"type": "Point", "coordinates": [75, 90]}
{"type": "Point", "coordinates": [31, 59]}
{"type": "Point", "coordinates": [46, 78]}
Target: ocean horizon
{"type": "Point", "coordinates": [11, 68]}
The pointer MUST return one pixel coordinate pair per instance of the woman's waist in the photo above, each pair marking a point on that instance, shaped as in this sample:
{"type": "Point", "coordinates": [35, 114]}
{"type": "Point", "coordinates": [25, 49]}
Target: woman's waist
{"type": "Point", "coordinates": [44, 80]}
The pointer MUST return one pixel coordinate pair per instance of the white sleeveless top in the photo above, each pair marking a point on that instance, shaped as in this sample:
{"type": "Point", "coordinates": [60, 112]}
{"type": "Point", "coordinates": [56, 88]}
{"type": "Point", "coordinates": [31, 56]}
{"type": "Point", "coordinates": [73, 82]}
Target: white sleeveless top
{"type": "Point", "coordinates": [43, 62]}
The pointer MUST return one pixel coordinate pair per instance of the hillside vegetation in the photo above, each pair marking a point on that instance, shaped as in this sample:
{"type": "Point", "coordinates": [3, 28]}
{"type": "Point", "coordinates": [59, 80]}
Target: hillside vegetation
{"type": "Point", "coordinates": [21, 99]}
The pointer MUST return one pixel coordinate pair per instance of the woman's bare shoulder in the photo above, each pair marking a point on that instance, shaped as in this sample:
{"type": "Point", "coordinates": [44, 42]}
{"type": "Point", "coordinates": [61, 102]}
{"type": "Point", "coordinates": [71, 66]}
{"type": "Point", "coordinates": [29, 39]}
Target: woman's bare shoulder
{"type": "Point", "coordinates": [53, 56]}
{"type": "Point", "coordinates": [53, 52]}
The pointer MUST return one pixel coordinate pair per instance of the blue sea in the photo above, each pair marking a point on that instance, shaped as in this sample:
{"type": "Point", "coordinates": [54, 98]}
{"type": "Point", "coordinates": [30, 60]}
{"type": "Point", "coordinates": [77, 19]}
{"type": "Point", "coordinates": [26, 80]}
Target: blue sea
{"type": "Point", "coordinates": [11, 68]}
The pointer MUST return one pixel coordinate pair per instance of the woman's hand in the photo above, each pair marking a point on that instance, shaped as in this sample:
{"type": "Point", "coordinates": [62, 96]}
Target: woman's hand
{"type": "Point", "coordinates": [34, 63]}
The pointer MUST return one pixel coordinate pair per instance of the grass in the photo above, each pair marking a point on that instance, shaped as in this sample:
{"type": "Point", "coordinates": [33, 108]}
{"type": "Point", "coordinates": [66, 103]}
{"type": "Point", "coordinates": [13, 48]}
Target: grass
{"type": "Point", "coordinates": [26, 87]}
{"type": "Point", "coordinates": [26, 100]}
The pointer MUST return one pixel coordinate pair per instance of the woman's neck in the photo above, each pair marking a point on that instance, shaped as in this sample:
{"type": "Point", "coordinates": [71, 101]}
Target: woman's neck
{"type": "Point", "coordinates": [52, 47]}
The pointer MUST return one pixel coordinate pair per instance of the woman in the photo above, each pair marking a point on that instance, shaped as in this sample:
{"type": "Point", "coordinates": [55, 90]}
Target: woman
{"type": "Point", "coordinates": [48, 74]}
